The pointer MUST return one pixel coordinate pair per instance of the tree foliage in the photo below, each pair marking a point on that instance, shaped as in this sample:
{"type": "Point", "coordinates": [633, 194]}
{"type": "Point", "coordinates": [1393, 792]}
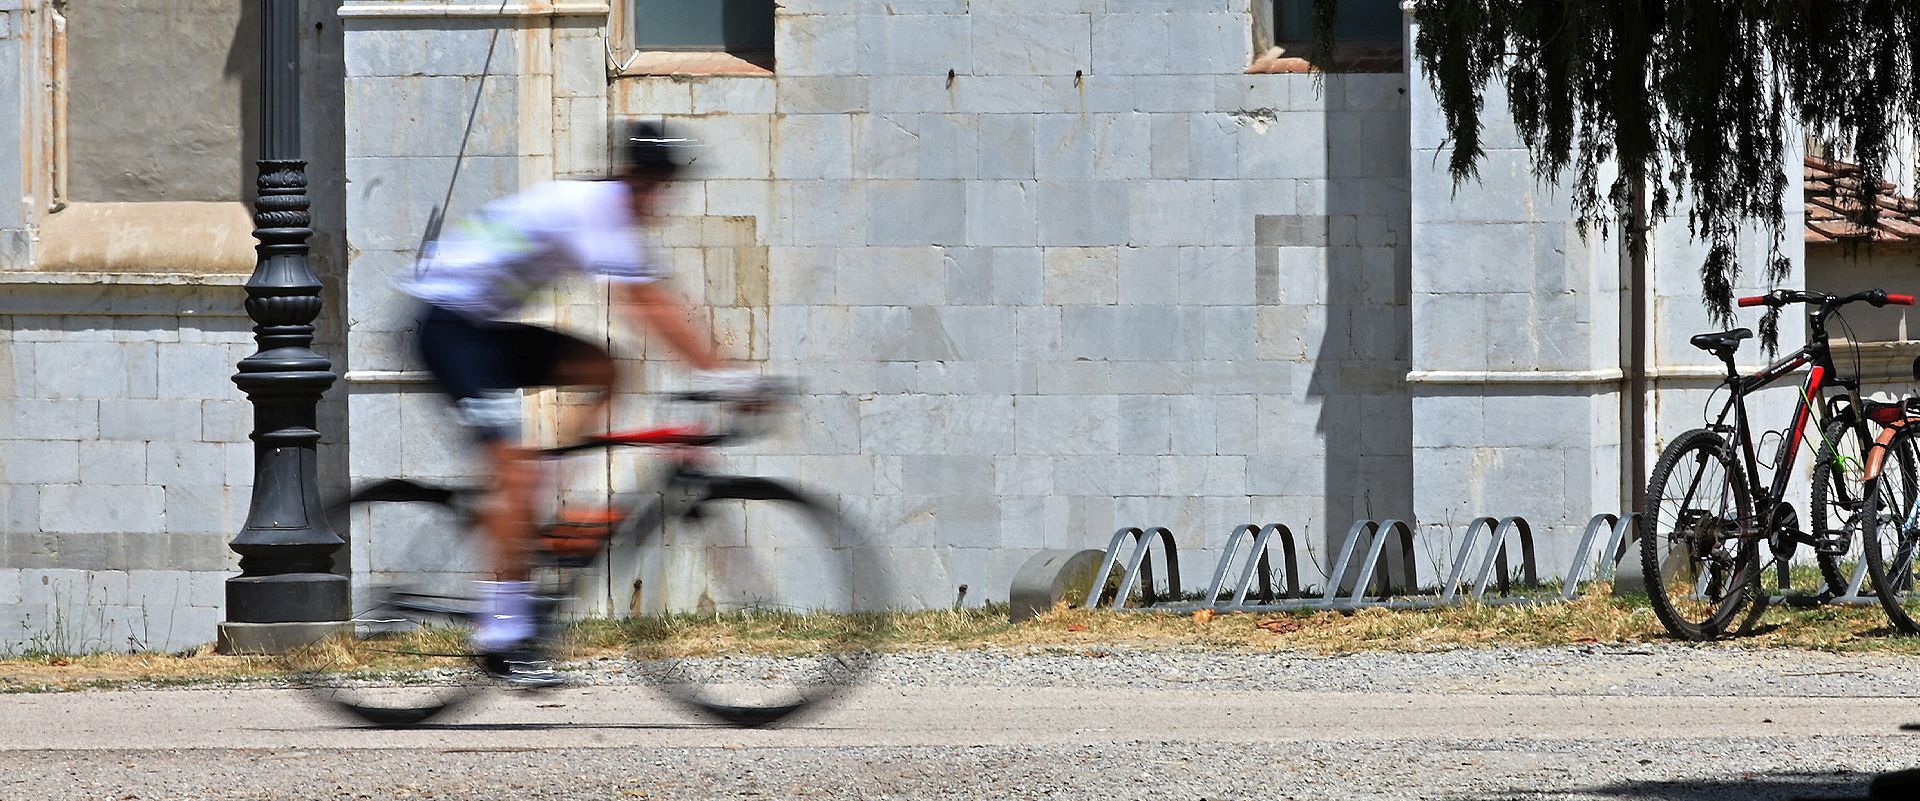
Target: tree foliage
{"type": "Point", "coordinates": [1701, 99]}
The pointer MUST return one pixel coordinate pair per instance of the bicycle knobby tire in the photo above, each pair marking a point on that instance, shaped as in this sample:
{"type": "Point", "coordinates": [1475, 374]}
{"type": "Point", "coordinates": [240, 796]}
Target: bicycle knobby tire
{"type": "Point", "coordinates": [1702, 568]}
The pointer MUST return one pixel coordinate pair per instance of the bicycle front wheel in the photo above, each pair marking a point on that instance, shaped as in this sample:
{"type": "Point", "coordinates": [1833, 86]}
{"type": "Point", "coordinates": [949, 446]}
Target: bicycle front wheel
{"type": "Point", "coordinates": [1893, 531]}
{"type": "Point", "coordinates": [759, 621]}
{"type": "Point", "coordinates": [407, 659]}
{"type": "Point", "coordinates": [1836, 513]}
{"type": "Point", "coordinates": [1702, 568]}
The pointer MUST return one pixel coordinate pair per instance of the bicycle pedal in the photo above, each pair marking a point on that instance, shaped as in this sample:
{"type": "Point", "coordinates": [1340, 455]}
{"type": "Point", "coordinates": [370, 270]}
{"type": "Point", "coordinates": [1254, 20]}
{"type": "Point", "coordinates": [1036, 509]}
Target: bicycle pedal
{"type": "Point", "coordinates": [1832, 547]}
{"type": "Point", "coordinates": [1795, 536]}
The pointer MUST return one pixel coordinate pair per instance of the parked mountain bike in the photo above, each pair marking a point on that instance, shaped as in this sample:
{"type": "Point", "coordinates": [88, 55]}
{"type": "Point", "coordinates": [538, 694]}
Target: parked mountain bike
{"type": "Point", "coordinates": [1707, 515]}
{"type": "Point", "coordinates": [756, 549]}
{"type": "Point", "coordinates": [1892, 515]}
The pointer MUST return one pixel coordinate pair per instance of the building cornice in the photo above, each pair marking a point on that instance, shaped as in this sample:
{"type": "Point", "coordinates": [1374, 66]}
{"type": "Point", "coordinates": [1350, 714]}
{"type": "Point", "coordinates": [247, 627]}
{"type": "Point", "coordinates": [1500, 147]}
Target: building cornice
{"type": "Point", "coordinates": [398, 9]}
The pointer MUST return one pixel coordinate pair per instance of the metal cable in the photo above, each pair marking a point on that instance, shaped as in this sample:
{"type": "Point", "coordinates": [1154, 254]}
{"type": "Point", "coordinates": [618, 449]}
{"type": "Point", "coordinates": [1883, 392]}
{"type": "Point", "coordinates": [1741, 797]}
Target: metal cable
{"type": "Point", "coordinates": [438, 217]}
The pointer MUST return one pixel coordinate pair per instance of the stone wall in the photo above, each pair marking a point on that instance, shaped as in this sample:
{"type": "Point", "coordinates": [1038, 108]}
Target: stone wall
{"type": "Point", "coordinates": [1517, 356]}
{"type": "Point", "coordinates": [1520, 325]}
{"type": "Point", "coordinates": [1846, 269]}
{"type": "Point", "coordinates": [122, 475]}
{"type": "Point", "coordinates": [21, 34]}
{"type": "Point", "coordinates": [1039, 275]}
{"type": "Point", "coordinates": [125, 465]}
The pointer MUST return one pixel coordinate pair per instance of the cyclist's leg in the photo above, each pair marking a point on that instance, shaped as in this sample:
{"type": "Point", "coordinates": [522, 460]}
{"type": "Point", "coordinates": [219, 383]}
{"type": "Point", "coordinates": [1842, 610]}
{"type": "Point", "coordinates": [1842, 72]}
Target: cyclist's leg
{"type": "Point", "coordinates": [553, 359]}
{"type": "Point", "coordinates": [476, 365]}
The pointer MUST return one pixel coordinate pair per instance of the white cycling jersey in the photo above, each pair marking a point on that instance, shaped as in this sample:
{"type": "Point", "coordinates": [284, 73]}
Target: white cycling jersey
{"type": "Point", "coordinates": [489, 264]}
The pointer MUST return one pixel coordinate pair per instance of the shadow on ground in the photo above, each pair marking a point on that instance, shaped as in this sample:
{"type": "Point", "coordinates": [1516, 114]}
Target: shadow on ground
{"type": "Point", "coordinates": [1837, 786]}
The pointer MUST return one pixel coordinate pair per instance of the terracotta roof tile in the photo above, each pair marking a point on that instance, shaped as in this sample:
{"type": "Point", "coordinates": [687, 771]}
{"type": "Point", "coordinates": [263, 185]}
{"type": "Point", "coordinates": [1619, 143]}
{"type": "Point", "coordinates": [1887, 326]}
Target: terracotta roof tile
{"type": "Point", "coordinates": [1834, 212]}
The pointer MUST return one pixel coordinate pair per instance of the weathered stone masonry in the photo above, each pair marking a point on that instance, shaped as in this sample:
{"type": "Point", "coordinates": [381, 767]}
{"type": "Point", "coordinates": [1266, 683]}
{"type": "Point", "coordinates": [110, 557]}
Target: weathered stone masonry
{"type": "Point", "coordinates": [1045, 267]}
{"type": "Point", "coordinates": [1038, 274]}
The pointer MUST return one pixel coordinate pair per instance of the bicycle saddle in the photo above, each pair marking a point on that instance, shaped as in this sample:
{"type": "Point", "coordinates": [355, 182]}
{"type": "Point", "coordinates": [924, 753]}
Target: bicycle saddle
{"type": "Point", "coordinates": [1721, 342]}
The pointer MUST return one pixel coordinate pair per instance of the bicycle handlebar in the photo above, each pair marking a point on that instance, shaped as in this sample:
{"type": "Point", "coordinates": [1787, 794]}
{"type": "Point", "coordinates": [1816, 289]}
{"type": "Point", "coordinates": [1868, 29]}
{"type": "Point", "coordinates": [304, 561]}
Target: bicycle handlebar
{"type": "Point", "coordinates": [1782, 297]}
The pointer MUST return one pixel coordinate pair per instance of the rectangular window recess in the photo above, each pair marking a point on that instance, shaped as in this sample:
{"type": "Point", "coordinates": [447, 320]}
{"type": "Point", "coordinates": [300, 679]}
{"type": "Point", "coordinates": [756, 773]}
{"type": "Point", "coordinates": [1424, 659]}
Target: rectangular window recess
{"type": "Point", "coordinates": [1369, 36]}
{"type": "Point", "coordinates": [1357, 21]}
{"type": "Point", "coordinates": [731, 26]}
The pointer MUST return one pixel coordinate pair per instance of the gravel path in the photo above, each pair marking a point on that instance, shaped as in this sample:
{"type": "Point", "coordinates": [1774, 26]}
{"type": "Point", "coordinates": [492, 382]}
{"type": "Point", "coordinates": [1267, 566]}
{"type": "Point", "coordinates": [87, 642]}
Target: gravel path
{"type": "Point", "coordinates": [1663, 722]}
{"type": "Point", "coordinates": [1574, 670]}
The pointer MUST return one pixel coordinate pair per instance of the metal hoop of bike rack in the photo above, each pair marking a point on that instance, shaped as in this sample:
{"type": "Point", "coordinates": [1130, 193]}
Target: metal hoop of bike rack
{"type": "Point", "coordinates": [1371, 530]}
{"type": "Point", "coordinates": [1622, 533]}
{"type": "Point", "coordinates": [1256, 566]}
{"type": "Point", "coordinates": [1857, 591]}
{"type": "Point", "coordinates": [1138, 569]}
{"type": "Point", "coordinates": [1493, 560]}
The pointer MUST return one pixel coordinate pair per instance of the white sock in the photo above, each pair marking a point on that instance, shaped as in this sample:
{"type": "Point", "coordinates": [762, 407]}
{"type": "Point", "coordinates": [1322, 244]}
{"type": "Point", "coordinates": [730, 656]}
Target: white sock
{"type": "Point", "coordinates": [506, 615]}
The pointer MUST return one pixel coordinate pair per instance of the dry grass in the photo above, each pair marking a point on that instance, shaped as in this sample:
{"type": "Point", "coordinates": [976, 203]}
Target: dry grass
{"type": "Point", "coordinates": [1595, 618]}
{"type": "Point", "coordinates": [44, 672]}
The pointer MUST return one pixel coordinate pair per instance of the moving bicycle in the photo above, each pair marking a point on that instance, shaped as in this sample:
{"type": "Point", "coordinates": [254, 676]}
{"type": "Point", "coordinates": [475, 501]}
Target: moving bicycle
{"type": "Point", "coordinates": [759, 545]}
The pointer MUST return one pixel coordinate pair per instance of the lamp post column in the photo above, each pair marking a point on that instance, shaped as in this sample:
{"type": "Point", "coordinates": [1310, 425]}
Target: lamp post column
{"type": "Point", "coordinates": [286, 594]}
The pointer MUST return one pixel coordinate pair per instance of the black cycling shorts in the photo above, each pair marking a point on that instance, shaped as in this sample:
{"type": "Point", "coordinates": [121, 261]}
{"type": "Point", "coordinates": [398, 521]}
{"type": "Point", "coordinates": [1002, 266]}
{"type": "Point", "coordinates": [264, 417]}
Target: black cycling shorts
{"type": "Point", "coordinates": [482, 366]}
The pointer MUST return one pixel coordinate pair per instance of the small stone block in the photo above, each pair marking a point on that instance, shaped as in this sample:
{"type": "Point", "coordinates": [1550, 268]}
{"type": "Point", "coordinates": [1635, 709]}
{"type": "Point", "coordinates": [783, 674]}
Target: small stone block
{"type": "Point", "coordinates": [1049, 577]}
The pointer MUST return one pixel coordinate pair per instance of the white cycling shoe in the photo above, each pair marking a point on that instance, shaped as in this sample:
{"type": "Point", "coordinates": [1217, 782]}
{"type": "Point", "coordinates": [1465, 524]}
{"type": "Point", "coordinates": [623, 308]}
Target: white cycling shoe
{"type": "Point", "coordinates": [522, 669]}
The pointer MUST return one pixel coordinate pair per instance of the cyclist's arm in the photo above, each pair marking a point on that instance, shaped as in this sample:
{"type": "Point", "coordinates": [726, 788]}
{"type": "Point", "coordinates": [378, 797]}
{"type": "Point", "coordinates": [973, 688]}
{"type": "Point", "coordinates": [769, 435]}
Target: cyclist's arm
{"type": "Point", "coordinates": [663, 313]}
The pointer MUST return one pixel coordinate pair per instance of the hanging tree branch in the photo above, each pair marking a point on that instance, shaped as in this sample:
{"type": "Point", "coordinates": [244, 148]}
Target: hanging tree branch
{"type": "Point", "coordinates": [1698, 98]}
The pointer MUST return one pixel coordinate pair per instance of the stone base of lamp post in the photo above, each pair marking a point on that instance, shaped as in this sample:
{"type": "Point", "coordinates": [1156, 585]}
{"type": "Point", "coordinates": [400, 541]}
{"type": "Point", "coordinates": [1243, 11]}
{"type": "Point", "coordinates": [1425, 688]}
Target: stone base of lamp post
{"type": "Point", "coordinates": [263, 612]}
{"type": "Point", "coordinates": [275, 638]}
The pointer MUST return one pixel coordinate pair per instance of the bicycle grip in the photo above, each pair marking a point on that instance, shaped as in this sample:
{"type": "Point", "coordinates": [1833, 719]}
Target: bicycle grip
{"type": "Point", "coordinates": [1756, 300]}
{"type": "Point", "coordinates": [1900, 300]}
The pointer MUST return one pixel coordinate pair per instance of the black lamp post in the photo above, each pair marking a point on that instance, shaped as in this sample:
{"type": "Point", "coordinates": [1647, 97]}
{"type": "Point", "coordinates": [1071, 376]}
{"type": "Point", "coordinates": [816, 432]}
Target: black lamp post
{"type": "Point", "coordinates": [286, 594]}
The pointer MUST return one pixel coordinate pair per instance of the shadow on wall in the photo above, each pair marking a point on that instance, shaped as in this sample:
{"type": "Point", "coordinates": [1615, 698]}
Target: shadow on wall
{"type": "Point", "coordinates": [1362, 358]}
{"type": "Point", "coordinates": [244, 64]}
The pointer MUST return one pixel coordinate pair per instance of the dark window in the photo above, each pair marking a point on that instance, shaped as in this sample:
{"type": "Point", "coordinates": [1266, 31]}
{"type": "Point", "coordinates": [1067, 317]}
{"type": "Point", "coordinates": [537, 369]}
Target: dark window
{"type": "Point", "coordinates": [1358, 21]}
{"type": "Point", "coordinates": [730, 25]}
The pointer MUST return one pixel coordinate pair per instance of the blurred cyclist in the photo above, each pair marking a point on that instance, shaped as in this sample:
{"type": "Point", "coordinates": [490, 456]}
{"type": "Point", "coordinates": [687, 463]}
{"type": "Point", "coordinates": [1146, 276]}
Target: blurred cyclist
{"type": "Point", "coordinates": [473, 280]}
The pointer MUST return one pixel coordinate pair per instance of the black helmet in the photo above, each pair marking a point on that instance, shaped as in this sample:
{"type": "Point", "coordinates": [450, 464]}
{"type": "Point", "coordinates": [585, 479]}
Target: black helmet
{"type": "Point", "coordinates": [645, 148]}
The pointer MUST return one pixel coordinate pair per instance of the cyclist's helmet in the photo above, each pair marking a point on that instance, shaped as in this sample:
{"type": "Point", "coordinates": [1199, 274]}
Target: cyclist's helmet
{"type": "Point", "coordinates": [648, 149]}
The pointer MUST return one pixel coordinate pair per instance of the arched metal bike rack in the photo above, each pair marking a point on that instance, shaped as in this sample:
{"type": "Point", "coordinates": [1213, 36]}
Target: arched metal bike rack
{"type": "Point", "coordinates": [1355, 578]}
{"type": "Point", "coordinates": [1493, 559]}
{"type": "Point", "coordinates": [1622, 532]}
{"type": "Point", "coordinates": [1256, 566]}
{"type": "Point", "coordinates": [1138, 570]}
{"type": "Point", "coordinates": [1372, 531]}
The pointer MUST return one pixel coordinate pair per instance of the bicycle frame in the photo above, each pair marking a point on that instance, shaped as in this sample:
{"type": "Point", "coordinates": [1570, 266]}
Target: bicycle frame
{"type": "Point", "coordinates": [668, 496]}
{"type": "Point", "coordinates": [1818, 356]}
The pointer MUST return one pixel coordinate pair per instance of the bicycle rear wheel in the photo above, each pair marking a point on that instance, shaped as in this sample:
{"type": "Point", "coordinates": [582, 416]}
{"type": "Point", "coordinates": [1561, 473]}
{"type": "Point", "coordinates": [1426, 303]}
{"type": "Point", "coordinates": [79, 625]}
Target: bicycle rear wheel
{"type": "Point", "coordinates": [770, 574]}
{"type": "Point", "coordinates": [1893, 533]}
{"type": "Point", "coordinates": [407, 659]}
{"type": "Point", "coordinates": [1702, 569]}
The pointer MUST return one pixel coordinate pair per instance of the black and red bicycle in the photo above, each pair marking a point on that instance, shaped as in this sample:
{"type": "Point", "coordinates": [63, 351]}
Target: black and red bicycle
{"type": "Point", "coordinates": [757, 549]}
{"type": "Point", "coordinates": [1711, 529]}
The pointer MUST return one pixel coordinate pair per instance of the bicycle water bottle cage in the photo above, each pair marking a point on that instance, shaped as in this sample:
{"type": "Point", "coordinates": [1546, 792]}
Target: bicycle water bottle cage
{"type": "Point", "coordinates": [1764, 454]}
{"type": "Point", "coordinates": [1721, 343]}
